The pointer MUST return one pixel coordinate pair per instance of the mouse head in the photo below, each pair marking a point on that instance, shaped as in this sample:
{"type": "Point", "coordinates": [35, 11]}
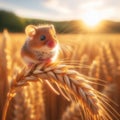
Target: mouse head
{"type": "Point", "coordinates": [41, 35]}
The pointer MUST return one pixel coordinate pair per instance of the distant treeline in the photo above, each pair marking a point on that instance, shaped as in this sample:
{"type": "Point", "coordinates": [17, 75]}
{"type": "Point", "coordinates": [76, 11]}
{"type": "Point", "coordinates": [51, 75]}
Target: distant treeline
{"type": "Point", "coordinates": [14, 23]}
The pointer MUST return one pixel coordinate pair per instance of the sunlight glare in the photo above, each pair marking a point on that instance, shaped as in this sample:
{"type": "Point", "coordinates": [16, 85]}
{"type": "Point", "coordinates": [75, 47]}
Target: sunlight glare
{"type": "Point", "coordinates": [92, 19]}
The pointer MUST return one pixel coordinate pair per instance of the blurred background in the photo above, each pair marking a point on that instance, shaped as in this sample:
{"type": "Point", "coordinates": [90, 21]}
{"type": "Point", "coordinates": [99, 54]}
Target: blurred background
{"type": "Point", "coordinates": [69, 16]}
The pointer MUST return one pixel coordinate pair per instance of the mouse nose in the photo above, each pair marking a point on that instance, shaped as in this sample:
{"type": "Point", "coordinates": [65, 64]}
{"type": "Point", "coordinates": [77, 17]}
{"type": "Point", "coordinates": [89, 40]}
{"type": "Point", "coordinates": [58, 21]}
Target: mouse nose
{"type": "Point", "coordinates": [51, 43]}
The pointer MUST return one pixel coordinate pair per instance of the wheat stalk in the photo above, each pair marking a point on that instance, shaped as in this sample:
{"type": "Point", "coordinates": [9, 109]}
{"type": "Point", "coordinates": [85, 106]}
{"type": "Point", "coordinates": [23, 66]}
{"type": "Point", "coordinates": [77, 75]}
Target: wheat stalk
{"type": "Point", "coordinates": [15, 111]}
{"type": "Point", "coordinates": [114, 54]}
{"type": "Point", "coordinates": [94, 71]}
{"type": "Point", "coordinates": [69, 83]}
{"type": "Point", "coordinates": [109, 61]}
{"type": "Point", "coordinates": [83, 62]}
{"type": "Point", "coordinates": [36, 96]}
{"type": "Point", "coordinates": [3, 69]}
{"type": "Point", "coordinates": [27, 104]}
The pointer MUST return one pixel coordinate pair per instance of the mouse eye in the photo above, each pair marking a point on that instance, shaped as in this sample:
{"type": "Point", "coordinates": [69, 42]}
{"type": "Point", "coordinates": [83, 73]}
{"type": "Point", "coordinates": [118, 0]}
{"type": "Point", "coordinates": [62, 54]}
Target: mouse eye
{"type": "Point", "coordinates": [42, 37]}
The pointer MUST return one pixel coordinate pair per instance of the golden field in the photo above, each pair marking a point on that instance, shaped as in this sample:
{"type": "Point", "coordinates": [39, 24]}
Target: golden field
{"type": "Point", "coordinates": [97, 56]}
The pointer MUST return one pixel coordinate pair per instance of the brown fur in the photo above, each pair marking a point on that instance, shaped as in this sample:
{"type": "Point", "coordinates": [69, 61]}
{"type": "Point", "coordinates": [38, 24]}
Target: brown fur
{"type": "Point", "coordinates": [33, 47]}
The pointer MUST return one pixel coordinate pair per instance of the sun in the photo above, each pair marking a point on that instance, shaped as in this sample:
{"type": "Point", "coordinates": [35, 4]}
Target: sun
{"type": "Point", "coordinates": [92, 19]}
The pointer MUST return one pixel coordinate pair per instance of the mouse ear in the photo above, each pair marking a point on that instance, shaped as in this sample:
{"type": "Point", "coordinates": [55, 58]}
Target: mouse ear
{"type": "Point", "coordinates": [30, 30]}
{"type": "Point", "coordinates": [53, 28]}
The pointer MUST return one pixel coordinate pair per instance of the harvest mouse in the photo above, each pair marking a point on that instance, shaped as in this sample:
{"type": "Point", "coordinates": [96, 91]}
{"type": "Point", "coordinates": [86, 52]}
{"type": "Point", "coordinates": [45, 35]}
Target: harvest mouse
{"type": "Point", "coordinates": [41, 44]}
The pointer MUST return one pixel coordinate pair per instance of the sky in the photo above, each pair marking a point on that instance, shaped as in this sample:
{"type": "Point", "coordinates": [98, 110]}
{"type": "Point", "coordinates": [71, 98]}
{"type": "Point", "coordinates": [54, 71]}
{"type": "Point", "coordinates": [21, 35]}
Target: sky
{"type": "Point", "coordinates": [58, 10]}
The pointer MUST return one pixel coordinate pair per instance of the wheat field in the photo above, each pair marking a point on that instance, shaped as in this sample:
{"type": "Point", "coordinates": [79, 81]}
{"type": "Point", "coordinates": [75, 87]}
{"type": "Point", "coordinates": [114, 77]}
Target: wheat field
{"type": "Point", "coordinates": [93, 56]}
